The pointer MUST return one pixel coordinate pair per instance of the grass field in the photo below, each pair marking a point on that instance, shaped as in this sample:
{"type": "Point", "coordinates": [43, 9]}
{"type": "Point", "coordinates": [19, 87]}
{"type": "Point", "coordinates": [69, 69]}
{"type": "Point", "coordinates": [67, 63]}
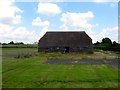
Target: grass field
{"type": "Point", "coordinates": [30, 72]}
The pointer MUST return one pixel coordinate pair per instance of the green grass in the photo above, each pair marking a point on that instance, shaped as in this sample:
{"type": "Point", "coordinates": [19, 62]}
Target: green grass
{"type": "Point", "coordinates": [12, 51]}
{"type": "Point", "coordinates": [20, 46]}
{"type": "Point", "coordinates": [31, 73]}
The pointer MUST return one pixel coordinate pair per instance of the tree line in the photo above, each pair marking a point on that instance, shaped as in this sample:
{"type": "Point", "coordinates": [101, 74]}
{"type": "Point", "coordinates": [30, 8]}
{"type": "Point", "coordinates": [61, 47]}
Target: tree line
{"type": "Point", "coordinates": [13, 43]}
{"type": "Point", "coordinates": [17, 45]}
{"type": "Point", "coordinates": [107, 44]}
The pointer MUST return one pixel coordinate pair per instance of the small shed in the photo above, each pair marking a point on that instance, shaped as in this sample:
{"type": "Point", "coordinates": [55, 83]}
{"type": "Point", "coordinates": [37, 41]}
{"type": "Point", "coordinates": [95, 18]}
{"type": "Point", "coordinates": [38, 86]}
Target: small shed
{"type": "Point", "coordinates": [65, 42]}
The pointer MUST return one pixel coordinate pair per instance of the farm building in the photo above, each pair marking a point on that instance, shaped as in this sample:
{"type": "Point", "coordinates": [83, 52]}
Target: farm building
{"type": "Point", "coordinates": [65, 42]}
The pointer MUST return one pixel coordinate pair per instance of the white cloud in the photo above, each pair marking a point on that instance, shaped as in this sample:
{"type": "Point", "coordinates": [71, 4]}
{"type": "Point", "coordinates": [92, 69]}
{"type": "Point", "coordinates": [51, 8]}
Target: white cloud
{"type": "Point", "coordinates": [81, 22]}
{"type": "Point", "coordinates": [42, 32]}
{"type": "Point", "coordinates": [20, 34]}
{"type": "Point", "coordinates": [9, 13]}
{"type": "Point", "coordinates": [111, 33]}
{"type": "Point", "coordinates": [64, 27]}
{"type": "Point", "coordinates": [18, 10]}
{"type": "Point", "coordinates": [77, 21]}
{"type": "Point", "coordinates": [4, 31]}
{"type": "Point", "coordinates": [48, 8]}
{"type": "Point", "coordinates": [43, 24]}
{"type": "Point", "coordinates": [38, 22]}
{"type": "Point", "coordinates": [17, 19]}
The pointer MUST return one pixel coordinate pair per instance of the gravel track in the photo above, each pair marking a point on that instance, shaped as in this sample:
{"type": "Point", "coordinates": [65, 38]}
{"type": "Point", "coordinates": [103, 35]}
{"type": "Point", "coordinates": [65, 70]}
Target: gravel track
{"type": "Point", "coordinates": [113, 63]}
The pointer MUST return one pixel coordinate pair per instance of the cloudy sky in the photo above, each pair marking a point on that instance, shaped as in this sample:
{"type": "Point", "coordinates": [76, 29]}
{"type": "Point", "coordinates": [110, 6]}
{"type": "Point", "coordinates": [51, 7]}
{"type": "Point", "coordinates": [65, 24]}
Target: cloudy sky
{"type": "Point", "coordinates": [28, 21]}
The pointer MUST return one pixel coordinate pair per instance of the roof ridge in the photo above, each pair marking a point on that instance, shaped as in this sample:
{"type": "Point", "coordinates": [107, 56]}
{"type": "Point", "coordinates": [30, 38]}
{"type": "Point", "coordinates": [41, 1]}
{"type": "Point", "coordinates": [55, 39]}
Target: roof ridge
{"type": "Point", "coordinates": [64, 31]}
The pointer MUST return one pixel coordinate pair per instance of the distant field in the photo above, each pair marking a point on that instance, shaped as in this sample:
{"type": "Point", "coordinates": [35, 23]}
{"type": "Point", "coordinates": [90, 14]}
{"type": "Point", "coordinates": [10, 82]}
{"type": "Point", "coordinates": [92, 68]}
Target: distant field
{"type": "Point", "coordinates": [20, 46]}
{"type": "Point", "coordinates": [17, 51]}
{"type": "Point", "coordinates": [24, 68]}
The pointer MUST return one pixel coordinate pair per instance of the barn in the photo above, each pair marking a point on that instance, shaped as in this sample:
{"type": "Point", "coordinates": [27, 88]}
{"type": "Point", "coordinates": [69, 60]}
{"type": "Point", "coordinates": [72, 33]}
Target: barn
{"type": "Point", "coordinates": [77, 41]}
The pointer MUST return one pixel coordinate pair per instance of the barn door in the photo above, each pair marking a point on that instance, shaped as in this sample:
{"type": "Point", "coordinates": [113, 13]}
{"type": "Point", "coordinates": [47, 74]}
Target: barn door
{"type": "Point", "coordinates": [66, 50]}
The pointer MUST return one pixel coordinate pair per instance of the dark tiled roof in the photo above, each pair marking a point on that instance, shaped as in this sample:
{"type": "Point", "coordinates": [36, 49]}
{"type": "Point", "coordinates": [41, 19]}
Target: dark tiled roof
{"type": "Point", "coordinates": [60, 39]}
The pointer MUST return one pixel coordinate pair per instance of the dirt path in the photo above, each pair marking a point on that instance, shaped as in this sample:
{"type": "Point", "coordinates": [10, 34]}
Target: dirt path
{"type": "Point", "coordinates": [113, 63]}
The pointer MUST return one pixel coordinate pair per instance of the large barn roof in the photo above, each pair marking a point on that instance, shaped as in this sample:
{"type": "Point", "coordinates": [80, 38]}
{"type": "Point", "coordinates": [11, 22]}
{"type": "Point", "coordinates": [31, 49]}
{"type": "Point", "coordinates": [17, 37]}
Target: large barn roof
{"type": "Point", "coordinates": [66, 39]}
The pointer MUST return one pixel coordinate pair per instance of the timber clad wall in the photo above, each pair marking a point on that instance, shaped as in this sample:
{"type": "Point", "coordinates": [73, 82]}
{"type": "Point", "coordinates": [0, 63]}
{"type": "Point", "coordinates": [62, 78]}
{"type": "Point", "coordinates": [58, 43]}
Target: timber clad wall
{"type": "Point", "coordinates": [61, 41]}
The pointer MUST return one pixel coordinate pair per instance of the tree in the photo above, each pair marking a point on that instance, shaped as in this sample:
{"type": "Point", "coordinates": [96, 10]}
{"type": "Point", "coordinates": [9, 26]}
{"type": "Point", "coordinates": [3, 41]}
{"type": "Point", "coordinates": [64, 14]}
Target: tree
{"type": "Point", "coordinates": [18, 43]}
{"type": "Point", "coordinates": [4, 43]}
{"type": "Point", "coordinates": [114, 44]}
{"type": "Point", "coordinates": [97, 43]}
{"type": "Point", "coordinates": [106, 42]}
{"type": "Point", "coordinates": [11, 42]}
{"type": "Point", "coordinates": [21, 43]}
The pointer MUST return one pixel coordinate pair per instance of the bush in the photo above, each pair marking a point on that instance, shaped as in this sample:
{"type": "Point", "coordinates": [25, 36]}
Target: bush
{"type": "Point", "coordinates": [23, 55]}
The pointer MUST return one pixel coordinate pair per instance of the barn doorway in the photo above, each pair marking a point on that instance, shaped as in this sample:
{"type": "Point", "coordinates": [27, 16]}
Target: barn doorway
{"type": "Point", "coordinates": [66, 50]}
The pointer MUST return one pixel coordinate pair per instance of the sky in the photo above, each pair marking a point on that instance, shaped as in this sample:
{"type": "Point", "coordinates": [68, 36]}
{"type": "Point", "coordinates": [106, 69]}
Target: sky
{"type": "Point", "coordinates": [27, 21]}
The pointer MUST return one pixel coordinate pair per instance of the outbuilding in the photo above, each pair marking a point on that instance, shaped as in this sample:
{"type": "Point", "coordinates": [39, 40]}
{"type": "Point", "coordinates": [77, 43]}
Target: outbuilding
{"type": "Point", "coordinates": [77, 41]}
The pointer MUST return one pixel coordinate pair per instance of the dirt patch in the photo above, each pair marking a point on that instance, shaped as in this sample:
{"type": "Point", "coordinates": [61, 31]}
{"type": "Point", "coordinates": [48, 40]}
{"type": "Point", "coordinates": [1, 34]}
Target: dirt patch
{"type": "Point", "coordinates": [113, 63]}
